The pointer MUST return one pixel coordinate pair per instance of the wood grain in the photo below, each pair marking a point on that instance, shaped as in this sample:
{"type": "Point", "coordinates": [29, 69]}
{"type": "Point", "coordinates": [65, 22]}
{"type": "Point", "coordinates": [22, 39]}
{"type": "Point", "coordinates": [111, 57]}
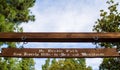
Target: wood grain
{"type": "Point", "coordinates": [59, 37]}
{"type": "Point", "coordinates": [59, 52]}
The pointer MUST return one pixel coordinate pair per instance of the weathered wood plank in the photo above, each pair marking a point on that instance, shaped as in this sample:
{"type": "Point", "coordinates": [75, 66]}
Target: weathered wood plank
{"type": "Point", "coordinates": [59, 52]}
{"type": "Point", "coordinates": [59, 37]}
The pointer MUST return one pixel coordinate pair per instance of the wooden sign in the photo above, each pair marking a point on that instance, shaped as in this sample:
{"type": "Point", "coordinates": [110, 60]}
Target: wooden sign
{"type": "Point", "coordinates": [60, 37]}
{"type": "Point", "coordinates": [59, 52]}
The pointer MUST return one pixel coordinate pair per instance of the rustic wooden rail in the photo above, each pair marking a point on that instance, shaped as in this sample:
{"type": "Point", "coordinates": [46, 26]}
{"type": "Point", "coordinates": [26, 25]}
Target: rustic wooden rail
{"type": "Point", "coordinates": [60, 37]}
{"type": "Point", "coordinates": [59, 52]}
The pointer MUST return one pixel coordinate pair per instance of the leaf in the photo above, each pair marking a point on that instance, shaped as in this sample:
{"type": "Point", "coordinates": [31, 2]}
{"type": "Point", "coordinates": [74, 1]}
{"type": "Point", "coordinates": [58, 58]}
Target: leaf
{"type": "Point", "coordinates": [2, 18]}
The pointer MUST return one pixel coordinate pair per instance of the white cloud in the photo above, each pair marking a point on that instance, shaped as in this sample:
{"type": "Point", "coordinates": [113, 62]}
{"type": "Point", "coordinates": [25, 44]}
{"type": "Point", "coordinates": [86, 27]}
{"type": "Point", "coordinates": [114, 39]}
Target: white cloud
{"type": "Point", "coordinates": [68, 18]}
{"type": "Point", "coordinates": [65, 16]}
{"type": "Point", "coordinates": [94, 62]}
{"type": "Point", "coordinates": [39, 62]}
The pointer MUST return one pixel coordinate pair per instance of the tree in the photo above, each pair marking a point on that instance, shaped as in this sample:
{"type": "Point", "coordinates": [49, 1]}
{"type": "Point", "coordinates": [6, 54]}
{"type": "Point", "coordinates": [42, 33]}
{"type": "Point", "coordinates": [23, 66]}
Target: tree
{"type": "Point", "coordinates": [110, 64]}
{"type": "Point", "coordinates": [66, 64]}
{"type": "Point", "coordinates": [109, 21]}
{"type": "Point", "coordinates": [27, 64]}
{"type": "Point", "coordinates": [12, 14]}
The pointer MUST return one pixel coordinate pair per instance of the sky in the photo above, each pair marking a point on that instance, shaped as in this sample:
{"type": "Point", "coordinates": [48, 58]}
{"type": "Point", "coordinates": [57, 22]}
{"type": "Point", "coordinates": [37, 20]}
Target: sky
{"type": "Point", "coordinates": [64, 16]}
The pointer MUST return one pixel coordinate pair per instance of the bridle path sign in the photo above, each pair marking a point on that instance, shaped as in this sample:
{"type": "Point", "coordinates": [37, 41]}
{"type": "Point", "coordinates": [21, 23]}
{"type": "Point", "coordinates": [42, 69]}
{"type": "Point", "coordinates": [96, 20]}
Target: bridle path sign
{"type": "Point", "coordinates": [60, 52]}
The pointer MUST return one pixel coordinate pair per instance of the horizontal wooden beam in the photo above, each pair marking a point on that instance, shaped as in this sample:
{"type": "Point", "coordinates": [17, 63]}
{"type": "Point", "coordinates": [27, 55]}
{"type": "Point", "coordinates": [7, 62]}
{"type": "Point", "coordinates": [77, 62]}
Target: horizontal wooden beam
{"type": "Point", "coordinates": [59, 52]}
{"type": "Point", "coordinates": [60, 37]}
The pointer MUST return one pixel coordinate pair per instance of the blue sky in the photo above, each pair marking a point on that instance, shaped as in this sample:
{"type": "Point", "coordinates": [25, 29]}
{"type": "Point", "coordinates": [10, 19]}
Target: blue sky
{"type": "Point", "coordinates": [64, 16]}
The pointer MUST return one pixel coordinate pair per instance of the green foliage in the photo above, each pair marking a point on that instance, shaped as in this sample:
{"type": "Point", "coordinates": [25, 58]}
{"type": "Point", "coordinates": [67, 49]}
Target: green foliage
{"type": "Point", "coordinates": [12, 14]}
{"type": "Point", "coordinates": [109, 21]}
{"type": "Point", "coordinates": [46, 65]}
{"type": "Point", "coordinates": [9, 64]}
{"type": "Point", "coordinates": [66, 64]}
{"type": "Point", "coordinates": [110, 64]}
{"type": "Point", "coordinates": [27, 64]}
